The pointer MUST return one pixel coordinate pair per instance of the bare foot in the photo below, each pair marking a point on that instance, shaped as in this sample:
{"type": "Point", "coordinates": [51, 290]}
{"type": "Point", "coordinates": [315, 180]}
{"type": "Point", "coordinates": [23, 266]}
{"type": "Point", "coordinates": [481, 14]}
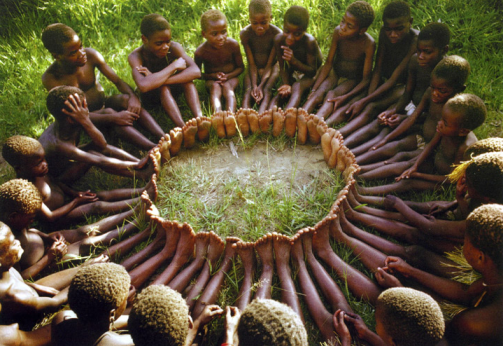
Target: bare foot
{"type": "Point", "coordinates": [282, 245]}
{"type": "Point", "coordinates": [149, 165]}
{"type": "Point", "coordinates": [278, 121]}
{"type": "Point", "coordinates": [265, 120]}
{"type": "Point", "coordinates": [242, 118]}
{"type": "Point", "coordinates": [336, 230]}
{"type": "Point", "coordinates": [172, 236]}
{"type": "Point", "coordinates": [253, 121]}
{"type": "Point", "coordinates": [95, 260]}
{"type": "Point", "coordinates": [312, 124]}
{"type": "Point", "coordinates": [264, 250]}
{"type": "Point", "coordinates": [203, 128]}
{"type": "Point", "coordinates": [321, 237]}
{"type": "Point", "coordinates": [230, 124]}
{"type": "Point", "coordinates": [246, 251]}
{"type": "Point", "coordinates": [215, 248]}
{"type": "Point", "coordinates": [341, 159]}
{"type": "Point", "coordinates": [151, 188]}
{"type": "Point", "coordinates": [164, 145]}
{"type": "Point", "coordinates": [176, 136]}
{"type": "Point", "coordinates": [322, 126]}
{"type": "Point", "coordinates": [326, 144]}
{"type": "Point", "coordinates": [189, 133]}
{"type": "Point", "coordinates": [336, 146]}
{"type": "Point", "coordinates": [297, 252]}
{"type": "Point", "coordinates": [302, 117]}
{"type": "Point", "coordinates": [217, 122]}
{"type": "Point", "coordinates": [290, 122]}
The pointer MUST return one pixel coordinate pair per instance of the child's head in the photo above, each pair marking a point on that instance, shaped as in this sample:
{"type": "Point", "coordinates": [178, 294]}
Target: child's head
{"type": "Point", "coordinates": [448, 78]}
{"type": "Point", "coordinates": [214, 28]}
{"type": "Point", "coordinates": [268, 322]}
{"type": "Point", "coordinates": [64, 44]}
{"type": "Point", "coordinates": [260, 16]}
{"type": "Point", "coordinates": [10, 248]}
{"type": "Point", "coordinates": [159, 316]}
{"type": "Point", "coordinates": [396, 20]}
{"type": "Point", "coordinates": [20, 201]}
{"type": "Point", "coordinates": [26, 155]}
{"type": "Point", "coordinates": [56, 100]}
{"type": "Point", "coordinates": [99, 291]}
{"type": "Point", "coordinates": [153, 22]}
{"type": "Point", "coordinates": [432, 43]}
{"type": "Point", "coordinates": [488, 145]}
{"type": "Point", "coordinates": [156, 35]}
{"type": "Point", "coordinates": [295, 24]}
{"type": "Point", "coordinates": [484, 237]}
{"type": "Point", "coordinates": [358, 17]}
{"type": "Point", "coordinates": [405, 316]}
{"type": "Point", "coordinates": [461, 114]}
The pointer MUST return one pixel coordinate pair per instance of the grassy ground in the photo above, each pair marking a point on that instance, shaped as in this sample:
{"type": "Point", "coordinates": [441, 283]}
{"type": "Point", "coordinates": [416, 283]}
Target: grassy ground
{"type": "Point", "coordinates": [112, 27]}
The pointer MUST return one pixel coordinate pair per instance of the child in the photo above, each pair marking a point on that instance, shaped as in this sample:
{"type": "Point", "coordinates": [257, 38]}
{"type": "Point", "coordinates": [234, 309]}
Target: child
{"type": "Point", "coordinates": [98, 296]}
{"type": "Point", "coordinates": [258, 42]}
{"type": "Point", "coordinates": [75, 66]}
{"type": "Point", "coordinates": [397, 44]}
{"type": "Point", "coordinates": [299, 57]}
{"type": "Point", "coordinates": [447, 79]}
{"type": "Point", "coordinates": [460, 115]}
{"type": "Point", "coordinates": [12, 336]}
{"type": "Point", "coordinates": [348, 65]}
{"type": "Point", "coordinates": [403, 316]}
{"type": "Point", "coordinates": [161, 68]}
{"type": "Point", "coordinates": [432, 45]}
{"type": "Point", "coordinates": [27, 156]}
{"type": "Point", "coordinates": [69, 160]}
{"type": "Point", "coordinates": [221, 58]}
{"type": "Point", "coordinates": [483, 247]}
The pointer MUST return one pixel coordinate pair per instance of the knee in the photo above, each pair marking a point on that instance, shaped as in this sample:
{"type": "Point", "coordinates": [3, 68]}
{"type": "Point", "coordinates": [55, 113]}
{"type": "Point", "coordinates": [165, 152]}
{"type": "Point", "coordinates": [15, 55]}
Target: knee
{"type": "Point", "coordinates": [415, 253]}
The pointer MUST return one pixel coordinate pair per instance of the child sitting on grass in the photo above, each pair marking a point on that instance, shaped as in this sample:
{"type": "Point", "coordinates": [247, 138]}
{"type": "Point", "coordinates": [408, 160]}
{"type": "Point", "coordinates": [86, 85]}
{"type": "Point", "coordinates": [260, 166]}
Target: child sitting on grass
{"type": "Point", "coordinates": [348, 65]}
{"type": "Point", "coordinates": [258, 42]}
{"type": "Point", "coordinates": [299, 57]}
{"type": "Point", "coordinates": [75, 66]}
{"type": "Point", "coordinates": [460, 115]}
{"type": "Point", "coordinates": [98, 296]}
{"type": "Point", "coordinates": [404, 317]}
{"type": "Point", "coordinates": [68, 160]}
{"type": "Point", "coordinates": [27, 156]}
{"type": "Point", "coordinates": [161, 69]}
{"type": "Point", "coordinates": [222, 61]}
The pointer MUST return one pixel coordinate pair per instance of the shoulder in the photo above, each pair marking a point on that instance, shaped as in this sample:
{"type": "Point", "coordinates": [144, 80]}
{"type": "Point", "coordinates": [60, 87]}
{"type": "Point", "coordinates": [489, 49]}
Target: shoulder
{"type": "Point", "coordinates": [232, 42]}
{"type": "Point", "coordinates": [369, 40]}
{"type": "Point", "coordinates": [245, 33]}
{"type": "Point", "coordinates": [311, 42]}
{"type": "Point", "coordinates": [136, 54]}
{"type": "Point", "coordinates": [274, 29]}
{"type": "Point", "coordinates": [176, 49]}
{"type": "Point", "coordinates": [93, 55]}
{"type": "Point", "coordinates": [200, 50]}
{"type": "Point", "coordinates": [10, 335]}
{"type": "Point", "coordinates": [113, 339]}
{"type": "Point", "coordinates": [48, 77]}
{"type": "Point", "coordinates": [278, 38]}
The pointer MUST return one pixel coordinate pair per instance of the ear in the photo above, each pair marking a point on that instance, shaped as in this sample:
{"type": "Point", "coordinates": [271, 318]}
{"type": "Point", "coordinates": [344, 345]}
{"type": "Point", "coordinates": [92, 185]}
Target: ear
{"type": "Point", "coordinates": [464, 132]}
{"type": "Point", "coordinates": [112, 314]}
{"type": "Point", "coordinates": [144, 39]}
{"type": "Point", "coordinates": [445, 50]}
{"type": "Point", "coordinates": [55, 56]}
{"type": "Point", "coordinates": [411, 20]}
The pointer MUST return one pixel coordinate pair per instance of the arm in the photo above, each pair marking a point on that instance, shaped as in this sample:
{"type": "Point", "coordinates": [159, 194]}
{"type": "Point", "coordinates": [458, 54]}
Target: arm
{"type": "Point", "coordinates": [238, 61]}
{"type": "Point", "coordinates": [57, 250]}
{"type": "Point", "coordinates": [232, 315]}
{"type": "Point", "coordinates": [249, 56]}
{"type": "Point", "coordinates": [199, 60]}
{"type": "Point", "coordinates": [409, 89]}
{"type": "Point", "coordinates": [325, 70]}
{"type": "Point", "coordinates": [268, 68]}
{"type": "Point", "coordinates": [427, 151]}
{"type": "Point", "coordinates": [208, 314]}
{"type": "Point", "coordinates": [313, 52]}
{"type": "Point", "coordinates": [53, 215]}
{"type": "Point", "coordinates": [25, 303]}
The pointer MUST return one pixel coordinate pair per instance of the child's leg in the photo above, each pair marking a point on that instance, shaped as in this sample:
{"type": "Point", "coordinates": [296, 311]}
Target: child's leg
{"type": "Point", "coordinates": [401, 186]}
{"type": "Point", "coordinates": [99, 208]}
{"type": "Point", "coordinates": [268, 89]}
{"type": "Point", "coordinates": [121, 194]}
{"type": "Point", "coordinates": [264, 250]}
{"type": "Point", "coordinates": [317, 97]}
{"type": "Point", "coordinates": [140, 257]}
{"type": "Point", "coordinates": [365, 147]}
{"type": "Point", "coordinates": [246, 101]}
{"type": "Point", "coordinates": [168, 102]}
{"type": "Point", "coordinates": [298, 89]}
{"type": "Point", "coordinates": [387, 171]}
{"type": "Point", "coordinates": [246, 252]}
{"type": "Point", "coordinates": [122, 248]}
{"type": "Point", "coordinates": [353, 202]}
{"type": "Point", "coordinates": [230, 97]}
{"type": "Point", "coordinates": [215, 95]}
{"type": "Point", "coordinates": [388, 150]}
{"type": "Point", "coordinates": [289, 296]}
{"type": "Point", "coordinates": [400, 157]}
{"type": "Point", "coordinates": [339, 115]}
{"type": "Point", "coordinates": [192, 98]}
{"type": "Point", "coordinates": [328, 107]}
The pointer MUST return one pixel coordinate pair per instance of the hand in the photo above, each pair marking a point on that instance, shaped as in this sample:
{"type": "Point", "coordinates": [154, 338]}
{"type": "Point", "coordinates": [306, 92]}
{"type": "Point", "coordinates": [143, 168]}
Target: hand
{"type": "Point", "coordinates": [439, 207]}
{"type": "Point", "coordinates": [57, 250]}
{"type": "Point", "coordinates": [356, 108]}
{"type": "Point", "coordinates": [257, 94]}
{"type": "Point", "coordinates": [285, 90]}
{"type": "Point", "coordinates": [221, 77]}
{"type": "Point", "coordinates": [287, 53]}
{"type": "Point", "coordinates": [143, 70]}
{"type": "Point", "coordinates": [85, 197]}
{"type": "Point", "coordinates": [337, 101]}
{"type": "Point", "coordinates": [385, 279]}
{"type": "Point", "coordinates": [232, 315]}
{"type": "Point", "coordinates": [134, 104]}
{"type": "Point", "coordinates": [396, 264]}
{"type": "Point", "coordinates": [389, 202]}
{"type": "Point", "coordinates": [394, 120]}
{"type": "Point", "coordinates": [179, 64]}
{"type": "Point", "coordinates": [407, 174]}
{"type": "Point", "coordinates": [341, 328]}
{"type": "Point", "coordinates": [76, 109]}
{"type": "Point", "coordinates": [43, 290]}
{"type": "Point", "coordinates": [357, 322]}
{"type": "Point", "coordinates": [383, 117]}
{"type": "Point", "coordinates": [125, 118]}
{"type": "Point", "coordinates": [57, 237]}
{"type": "Point", "coordinates": [379, 144]}
{"type": "Point", "coordinates": [208, 314]}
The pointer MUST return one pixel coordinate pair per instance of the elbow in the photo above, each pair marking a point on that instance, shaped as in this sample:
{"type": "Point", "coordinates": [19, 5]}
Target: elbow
{"type": "Point", "coordinates": [143, 87]}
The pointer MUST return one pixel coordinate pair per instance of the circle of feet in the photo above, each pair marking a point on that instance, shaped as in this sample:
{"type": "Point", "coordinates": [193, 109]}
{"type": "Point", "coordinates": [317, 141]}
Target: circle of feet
{"type": "Point", "coordinates": [199, 254]}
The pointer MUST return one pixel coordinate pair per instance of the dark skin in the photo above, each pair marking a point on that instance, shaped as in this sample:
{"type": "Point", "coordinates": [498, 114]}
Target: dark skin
{"type": "Point", "coordinates": [296, 51]}
{"type": "Point", "coordinates": [76, 66]}
{"type": "Point", "coordinates": [258, 42]}
{"type": "Point", "coordinates": [350, 56]}
{"type": "Point", "coordinates": [220, 58]}
{"type": "Point", "coordinates": [159, 67]}
{"type": "Point", "coordinates": [12, 336]}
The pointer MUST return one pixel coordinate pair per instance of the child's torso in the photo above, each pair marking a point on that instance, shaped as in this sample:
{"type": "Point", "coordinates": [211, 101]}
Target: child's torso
{"type": "Point", "coordinates": [219, 60]}
{"type": "Point", "coordinates": [423, 77]}
{"type": "Point", "coordinates": [394, 54]}
{"type": "Point", "coordinates": [350, 58]}
{"type": "Point", "coordinates": [33, 246]}
{"type": "Point", "coordinates": [261, 46]}
{"type": "Point", "coordinates": [433, 116]}
{"type": "Point", "coordinates": [51, 193]}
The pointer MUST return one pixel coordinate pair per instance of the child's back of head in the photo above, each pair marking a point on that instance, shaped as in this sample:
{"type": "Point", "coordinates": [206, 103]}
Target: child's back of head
{"type": "Point", "coordinates": [488, 145]}
{"type": "Point", "coordinates": [438, 33]}
{"type": "Point", "coordinates": [363, 12]}
{"type": "Point", "coordinates": [211, 16]}
{"type": "Point", "coordinates": [153, 22]}
{"type": "Point", "coordinates": [18, 149]}
{"type": "Point", "coordinates": [453, 69]}
{"type": "Point", "coordinates": [396, 9]}
{"type": "Point", "coordinates": [57, 97]}
{"type": "Point", "coordinates": [409, 317]}
{"type": "Point", "coordinates": [55, 35]}
{"type": "Point", "coordinates": [470, 110]}
{"type": "Point", "coordinates": [18, 198]}
{"type": "Point", "coordinates": [259, 7]}
{"type": "Point", "coordinates": [297, 15]}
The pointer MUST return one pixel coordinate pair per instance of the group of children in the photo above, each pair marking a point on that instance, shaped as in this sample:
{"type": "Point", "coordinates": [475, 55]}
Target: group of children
{"type": "Point", "coordinates": [404, 116]}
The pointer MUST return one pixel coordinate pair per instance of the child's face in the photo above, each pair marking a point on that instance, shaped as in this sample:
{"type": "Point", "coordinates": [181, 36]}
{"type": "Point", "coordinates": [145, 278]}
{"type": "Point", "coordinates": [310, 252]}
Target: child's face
{"type": "Point", "coordinates": [34, 166]}
{"type": "Point", "coordinates": [216, 33]}
{"type": "Point", "coordinates": [292, 33]}
{"type": "Point", "coordinates": [449, 125]}
{"type": "Point", "coordinates": [10, 247]}
{"type": "Point", "coordinates": [441, 91]}
{"type": "Point", "coordinates": [260, 23]}
{"type": "Point", "coordinates": [428, 53]}
{"type": "Point", "coordinates": [73, 53]}
{"type": "Point", "coordinates": [349, 26]}
{"type": "Point", "coordinates": [397, 28]}
{"type": "Point", "coordinates": [158, 43]}
{"type": "Point", "coordinates": [20, 221]}
{"type": "Point", "coordinates": [471, 253]}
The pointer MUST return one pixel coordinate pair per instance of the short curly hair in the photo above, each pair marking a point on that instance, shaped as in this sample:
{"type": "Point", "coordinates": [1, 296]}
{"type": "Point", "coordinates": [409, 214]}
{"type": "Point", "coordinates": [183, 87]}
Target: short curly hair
{"type": "Point", "coordinates": [297, 15]}
{"type": "Point", "coordinates": [160, 316]}
{"type": "Point", "coordinates": [153, 22]}
{"type": "Point", "coordinates": [470, 108]}
{"type": "Point", "coordinates": [363, 12]}
{"type": "Point", "coordinates": [8, 256]}
{"type": "Point", "coordinates": [19, 196]}
{"type": "Point", "coordinates": [454, 69]}
{"type": "Point", "coordinates": [396, 9]}
{"type": "Point", "coordinates": [484, 228]}
{"type": "Point", "coordinates": [211, 16]}
{"type": "Point", "coordinates": [17, 148]}
{"type": "Point", "coordinates": [56, 100]}
{"type": "Point", "coordinates": [437, 32]}
{"type": "Point", "coordinates": [488, 145]}
{"type": "Point", "coordinates": [259, 7]}
{"type": "Point", "coordinates": [485, 174]}
{"type": "Point", "coordinates": [410, 317]}
{"type": "Point", "coordinates": [97, 289]}
{"type": "Point", "coordinates": [55, 35]}
{"type": "Point", "coordinates": [268, 322]}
